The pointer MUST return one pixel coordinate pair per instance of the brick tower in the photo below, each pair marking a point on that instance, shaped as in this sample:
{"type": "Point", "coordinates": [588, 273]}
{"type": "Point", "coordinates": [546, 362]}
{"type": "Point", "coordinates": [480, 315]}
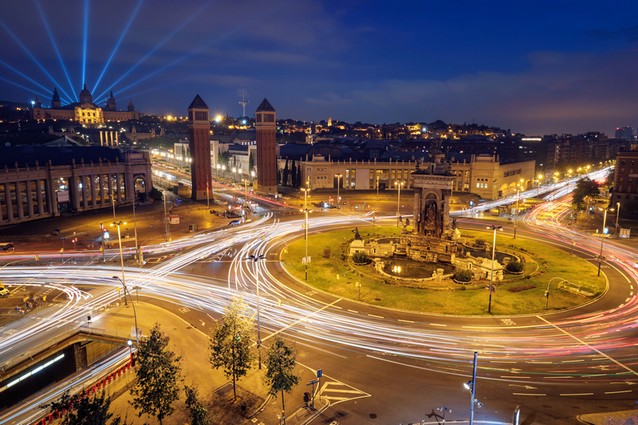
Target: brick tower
{"type": "Point", "coordinates": [266, 126]}
{"type": "Point", "coordinates": [199, 144]}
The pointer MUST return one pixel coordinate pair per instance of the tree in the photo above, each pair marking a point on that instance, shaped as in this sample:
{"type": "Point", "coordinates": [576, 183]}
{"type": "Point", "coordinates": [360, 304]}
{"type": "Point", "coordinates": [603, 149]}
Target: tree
{"type": "Point", "coordinates": [158, 372]}
{"type": "Point", "coordinates": [280, 373]}
{"type": "Point", "coordinates": [230, 344]}
{"type": "Point", "coordinates": [584, 188]}
{"type": "Point", "coordinates": [198, 413]}
{"type": "Point", "coordinates": [81, 409]}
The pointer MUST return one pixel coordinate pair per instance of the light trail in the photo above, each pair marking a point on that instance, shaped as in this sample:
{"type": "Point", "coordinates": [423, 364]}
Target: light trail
{"type": "Point", "coordinates": [85, 40]}
{"type": "Point", "coordinates": [54, 44]}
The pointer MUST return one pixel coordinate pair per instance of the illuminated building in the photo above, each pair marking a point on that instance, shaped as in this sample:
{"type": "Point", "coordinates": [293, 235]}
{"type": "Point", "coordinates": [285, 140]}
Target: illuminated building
{"type": "Point", "coordinates": [266, 128]}
{"type": "Point", "coordinates": [84, 111]}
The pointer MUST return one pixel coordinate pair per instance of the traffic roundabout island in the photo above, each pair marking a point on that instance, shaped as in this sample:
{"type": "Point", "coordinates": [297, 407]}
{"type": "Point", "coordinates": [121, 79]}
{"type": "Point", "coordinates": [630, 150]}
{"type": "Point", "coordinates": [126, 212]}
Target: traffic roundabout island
{"type": "Point", "coordinates": [371, 265]}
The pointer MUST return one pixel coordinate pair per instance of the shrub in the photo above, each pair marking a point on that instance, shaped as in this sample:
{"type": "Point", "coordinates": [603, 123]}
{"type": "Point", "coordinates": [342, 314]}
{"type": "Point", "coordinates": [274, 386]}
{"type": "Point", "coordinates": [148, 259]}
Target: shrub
{"type": "Point", "coordinates": [464, 276]}
{"type": "Point", "coordinates": [514, 267]}
{"type": "Point", "coordinates": [360, 258]}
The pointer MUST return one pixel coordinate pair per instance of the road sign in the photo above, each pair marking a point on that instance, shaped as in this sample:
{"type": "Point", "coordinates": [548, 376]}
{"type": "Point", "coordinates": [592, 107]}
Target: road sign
{"type": "Point", "coordinates": [319, 373]}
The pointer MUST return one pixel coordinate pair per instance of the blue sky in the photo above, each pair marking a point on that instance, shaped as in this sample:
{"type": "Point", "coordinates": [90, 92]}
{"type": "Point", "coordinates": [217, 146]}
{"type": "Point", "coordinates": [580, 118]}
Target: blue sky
{"type": "Point", "coordinates": [537, 67]}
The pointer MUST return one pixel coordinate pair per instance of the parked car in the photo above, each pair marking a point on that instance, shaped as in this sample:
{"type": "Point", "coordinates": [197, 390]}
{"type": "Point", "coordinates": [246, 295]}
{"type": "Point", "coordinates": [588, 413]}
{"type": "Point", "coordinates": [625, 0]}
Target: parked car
{"type": "Point", "coordinates": [4, 292]}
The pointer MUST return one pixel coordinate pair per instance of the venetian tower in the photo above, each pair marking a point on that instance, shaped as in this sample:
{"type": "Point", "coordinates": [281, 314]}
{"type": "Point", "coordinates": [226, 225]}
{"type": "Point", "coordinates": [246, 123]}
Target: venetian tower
{"type": "Point", "coordinates": [266, 128]}
{"type": "Point", "coordinates": [199, 144]}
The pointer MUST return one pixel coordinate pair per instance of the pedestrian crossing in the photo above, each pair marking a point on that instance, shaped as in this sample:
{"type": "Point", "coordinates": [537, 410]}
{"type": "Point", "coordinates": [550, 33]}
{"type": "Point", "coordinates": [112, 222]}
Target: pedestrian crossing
{"type": "Point", "coordinates": [336, 392]}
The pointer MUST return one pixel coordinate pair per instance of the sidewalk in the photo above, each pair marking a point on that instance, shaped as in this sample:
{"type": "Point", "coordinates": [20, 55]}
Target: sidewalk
{"type": "Point", "coordinates": [214, 388]}
{"type": "Point", "coordinates": [628, 417]}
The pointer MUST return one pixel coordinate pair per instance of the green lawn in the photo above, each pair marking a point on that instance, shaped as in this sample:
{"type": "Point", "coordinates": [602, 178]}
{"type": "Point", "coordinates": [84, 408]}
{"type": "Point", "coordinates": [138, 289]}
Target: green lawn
{"type": "Point", "coordinates": [330, 271]}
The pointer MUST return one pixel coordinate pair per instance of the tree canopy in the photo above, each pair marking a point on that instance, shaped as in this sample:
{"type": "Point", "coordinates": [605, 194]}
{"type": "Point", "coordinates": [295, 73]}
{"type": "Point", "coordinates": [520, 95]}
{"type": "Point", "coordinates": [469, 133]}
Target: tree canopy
{"type": "Point", "coordinates": [158, 373]}
{"type": "Point", "coordinates": [230, 343]}
{"type": "Point", "coordinates": [584, 188]}
{"type": "Point", "coordinates": [280, 369]}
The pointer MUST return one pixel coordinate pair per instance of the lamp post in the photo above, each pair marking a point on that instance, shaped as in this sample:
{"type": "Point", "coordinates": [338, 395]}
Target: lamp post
{"type": "Point", "coordinates": [306, 211]}
{"type": "Point", "coordinates": [338, 176]}
{"type": "Point", "coordinates": [207, 196]}
{"type": "Point", "coordinates": [377, 186]}
{"type": "Point", "coordinates": [165, 217]}
{"type": "Point", "coordinates": [617, 228]}
{"type": "Point", "coordinates": [119, 241]}
{"type": "Point", "coordinates": [254, 259]}
{"type": "Point", "coordinates": [602, 240]}
{"type": "Point", "coordinates": [516, 214]}
{"type": "Point", "coordinates": [137, 338]}
{"type": "Point", "coordinates": [472, 387]}
{"type": "Point", "coordinates": [491, 286]}
{"type": "Point", "coordinates": [398, 185]}
{"type": "Point", "coordinates": [137, 248]}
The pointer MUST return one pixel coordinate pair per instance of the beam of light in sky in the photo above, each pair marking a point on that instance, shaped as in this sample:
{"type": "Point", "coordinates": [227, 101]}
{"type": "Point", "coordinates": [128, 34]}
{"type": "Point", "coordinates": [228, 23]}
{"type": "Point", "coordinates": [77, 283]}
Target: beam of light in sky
{"type": "Point", "coordinates": [172, 34]}
{"type": "Point", "coordinates": [118, 43]}
{"type": "Point", "coordinates": [26, 77]}
{"type": "Point", "coordinates": [24, 87]}
{"type": "Point", "coordinates": [55, 47]}
{"type": "Point", "coordinates": [34, 59]}
{"type": "Point", "coordinates": [85, 41]}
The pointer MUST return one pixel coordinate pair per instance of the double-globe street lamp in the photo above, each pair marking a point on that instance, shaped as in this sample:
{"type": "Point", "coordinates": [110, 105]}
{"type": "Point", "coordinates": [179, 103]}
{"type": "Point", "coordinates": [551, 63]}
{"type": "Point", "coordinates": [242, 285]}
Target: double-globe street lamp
{"type": "Point", "coordinates": [339, 177]}
{"type": "Point", "coordinates": [137, 331]}
{"type": "Point", "coordinates": [305, 210]}
{"type": "Point", "coordinates": [255, 259]}
{"type": "Point", "coordinates": [494, 228]}
{"type": "Point", "coordinates": [398, 185]}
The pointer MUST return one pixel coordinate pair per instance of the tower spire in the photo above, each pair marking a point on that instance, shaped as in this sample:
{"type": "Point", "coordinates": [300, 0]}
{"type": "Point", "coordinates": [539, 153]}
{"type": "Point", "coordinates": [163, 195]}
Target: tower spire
{"type": "Point", "coordinates": [243, 102]}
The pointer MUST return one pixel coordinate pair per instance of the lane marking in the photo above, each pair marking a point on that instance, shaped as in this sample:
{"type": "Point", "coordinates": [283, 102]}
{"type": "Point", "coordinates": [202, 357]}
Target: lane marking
{"type": "Point", "coordinates": [437, 324]}
{"type": "Point", "coordinates": [617, 392]}
{"type": "Point", "coordinates": [406, 321]}
{"type": "Point", "coordinates": [374, 315]}
{"type": "Point", "coordinates": [353, 311]}
{"type": "Point", "coordinates": [575, 394]}
{"type": "Point", "coordinates": [589, 346]}
{"type": "Point", "coordinates": [531, 394]}
{"type": "Point", "coordinates": [296, 322]}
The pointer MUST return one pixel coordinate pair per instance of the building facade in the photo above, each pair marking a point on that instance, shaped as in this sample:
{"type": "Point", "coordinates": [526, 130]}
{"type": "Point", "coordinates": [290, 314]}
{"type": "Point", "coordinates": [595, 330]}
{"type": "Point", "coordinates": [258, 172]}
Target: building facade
{"type": "Point", "coordinates": [84, 111]}
{"type": "Point", "coordinates": [482, 175]}
{"type": "Point", "coordinates": [625, 184]}
{"type": "Point", "coordinates": [73, 179]}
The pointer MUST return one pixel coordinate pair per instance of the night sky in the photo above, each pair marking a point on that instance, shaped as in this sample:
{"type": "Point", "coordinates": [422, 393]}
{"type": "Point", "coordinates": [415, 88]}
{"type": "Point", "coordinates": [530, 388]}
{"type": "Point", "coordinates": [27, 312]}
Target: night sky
{"type": "Point", "coordinates": [537, 67]}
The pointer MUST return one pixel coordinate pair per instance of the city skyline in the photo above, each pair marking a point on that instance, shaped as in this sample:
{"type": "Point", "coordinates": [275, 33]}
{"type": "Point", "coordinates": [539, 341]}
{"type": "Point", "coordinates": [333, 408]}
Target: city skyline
{"type": "Point", "coordinates": [532, 67]}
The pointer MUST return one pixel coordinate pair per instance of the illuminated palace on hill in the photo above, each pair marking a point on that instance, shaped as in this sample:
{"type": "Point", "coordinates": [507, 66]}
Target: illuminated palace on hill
{"type": "Point", "coordinates": [84, 111]}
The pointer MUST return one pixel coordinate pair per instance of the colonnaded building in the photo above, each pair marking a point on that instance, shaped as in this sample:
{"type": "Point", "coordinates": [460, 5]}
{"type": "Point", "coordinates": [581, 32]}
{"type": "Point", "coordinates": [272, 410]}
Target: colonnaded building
{"type": "Point", "coordinates": [39, 181]}
{"type": "Point", "coordinates": [483, 175]}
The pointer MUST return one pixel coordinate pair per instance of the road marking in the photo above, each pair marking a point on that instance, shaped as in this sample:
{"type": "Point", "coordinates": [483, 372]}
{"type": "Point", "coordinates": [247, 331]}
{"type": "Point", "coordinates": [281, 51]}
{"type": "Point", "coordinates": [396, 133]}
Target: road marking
{"type": "Point", "coordinates": [531, 394]}
{"type": "Point", "coordinates": [589, 346]}
{"type": "Point", "coordinates": [406, 321]}
{"type": "Point", "coordinates": [296, 322]}
{"type": "Point", "coordinates": [374, 315]}
{"type": "Point", "coordinates": [437, 324]}
{"type": "Point", "coordinates": [575, 394]}
{"type": "Point", "coordinates": [353, 311]}
{"type": "Point", "coordinates": [617, 392]}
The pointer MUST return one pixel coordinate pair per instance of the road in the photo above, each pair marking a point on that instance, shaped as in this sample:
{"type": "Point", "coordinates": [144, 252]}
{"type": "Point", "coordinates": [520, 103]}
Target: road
{"type": "Point", "coordinates": [382, 365]}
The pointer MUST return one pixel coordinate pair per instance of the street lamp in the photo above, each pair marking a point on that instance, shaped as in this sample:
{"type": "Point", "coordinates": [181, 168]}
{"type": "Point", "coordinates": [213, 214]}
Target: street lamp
{"type": "Point", "coordinates": [398, 185]}
{"type": "Point", "coordinates": [548, 285]}
{"type": "Point", "coordinates": [602, 240]}
{"type": "Point", "coordinates": [617, 216]}
{"type": "Point", "coordinates": [471, 386]}
{"type": "Point", "coordinates": [338, 176]}
{"type": "Point", "coordinates": [165, 217]}
{"type": "Point", "coordinates": [491, 286]}
{"type": "Point", "coordinates": [137, 338]}
{"type": "Point", "coordinates": [119, 241]}
{"type": "Point", "coordinates": [254, 259]}
{"type": "Point", "coordinates": [516, 213]}
{"type": "Point", "coordinates": [306, 259]}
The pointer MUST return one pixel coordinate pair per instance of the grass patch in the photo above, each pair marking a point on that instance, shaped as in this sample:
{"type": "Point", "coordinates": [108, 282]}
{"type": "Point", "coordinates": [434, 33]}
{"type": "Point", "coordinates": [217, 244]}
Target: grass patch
{"type": "Point", "coordinates": [331, 271]}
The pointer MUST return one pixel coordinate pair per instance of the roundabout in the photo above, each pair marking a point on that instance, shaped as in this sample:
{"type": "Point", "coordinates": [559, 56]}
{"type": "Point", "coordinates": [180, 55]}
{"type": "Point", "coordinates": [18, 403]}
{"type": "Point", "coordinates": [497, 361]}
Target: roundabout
{"type": "Point", "coordinates": [397, 282]}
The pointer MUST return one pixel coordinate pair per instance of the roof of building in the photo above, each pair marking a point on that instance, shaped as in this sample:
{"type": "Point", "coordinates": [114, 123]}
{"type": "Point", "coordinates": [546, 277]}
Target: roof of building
{"type": "Point", "coordinates": [30, 155]}
{"type": "Point", "coordinates": [198, 103]}
{"type": "Point", "coordinates": [265, 106]}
